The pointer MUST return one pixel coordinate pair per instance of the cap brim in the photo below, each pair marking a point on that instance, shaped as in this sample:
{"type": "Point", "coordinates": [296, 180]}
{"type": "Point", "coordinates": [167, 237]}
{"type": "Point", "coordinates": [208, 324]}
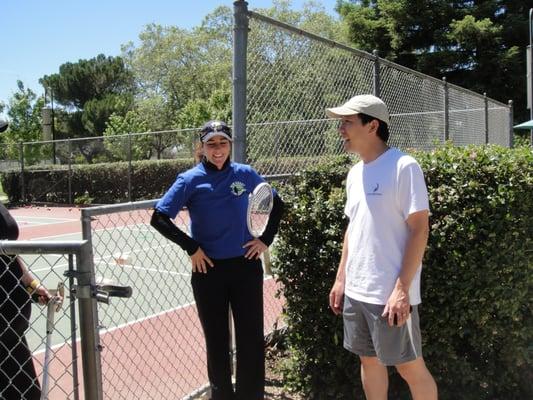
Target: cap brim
{"type": "Point", "coordinates": [216, 133]}
{"type": "Point", "coordinates": [339, 112]}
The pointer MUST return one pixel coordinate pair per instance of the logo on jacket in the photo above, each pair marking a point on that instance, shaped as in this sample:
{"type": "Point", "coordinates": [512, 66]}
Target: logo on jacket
{"type": "Point", "coordinates": [237, 188]}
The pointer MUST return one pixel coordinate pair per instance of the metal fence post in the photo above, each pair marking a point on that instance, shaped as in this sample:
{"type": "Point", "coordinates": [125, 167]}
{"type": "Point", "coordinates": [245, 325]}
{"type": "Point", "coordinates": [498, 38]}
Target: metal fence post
{"type": "Point", "coordinates": [446, 110]}
{"type": "Point", "coordinates": [89, 333]}
{"type": "Point", "coordinates": [486, 102]}
{"type": "Point", "coordinates": [72, 307]}
{"type": "Point", "coordinates": [22, 189]}
{"type": "Point", "coordinates": [511, 130]}
{"type": "Point", "coordinates": [129, 166]}
{"type": "Point", "coordinates": [377, 87]}
{"type": "Point", "coordinates": [240, 44]}
{"type": "Point", "coordinates": [69, 171]}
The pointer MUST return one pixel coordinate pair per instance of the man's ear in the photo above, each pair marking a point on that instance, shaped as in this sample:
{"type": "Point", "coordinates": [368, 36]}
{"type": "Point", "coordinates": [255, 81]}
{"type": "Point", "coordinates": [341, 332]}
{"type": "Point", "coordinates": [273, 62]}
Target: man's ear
{"type": "Point", "coordinates": [374, 126]}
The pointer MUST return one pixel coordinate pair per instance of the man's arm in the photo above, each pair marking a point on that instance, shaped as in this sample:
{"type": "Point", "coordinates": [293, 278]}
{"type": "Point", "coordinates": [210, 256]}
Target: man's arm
{"type": "Point", "coordinates": [336, 295]}
{"type": "Point", "coordinates": [398, 303]}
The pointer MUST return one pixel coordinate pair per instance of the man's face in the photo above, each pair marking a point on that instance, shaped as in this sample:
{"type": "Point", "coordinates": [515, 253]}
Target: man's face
{"type": "Point", "coordinates": [354, 134]}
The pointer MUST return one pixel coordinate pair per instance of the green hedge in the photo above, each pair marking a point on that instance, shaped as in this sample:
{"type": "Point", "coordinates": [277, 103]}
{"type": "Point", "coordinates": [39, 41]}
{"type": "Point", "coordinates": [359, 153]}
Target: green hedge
{"type": "Point", "coordinates": [476, 314]}
{"type": "Point", "coordinates": [106, 183]}
{"type": "Point", "coordinates": [97, 183]}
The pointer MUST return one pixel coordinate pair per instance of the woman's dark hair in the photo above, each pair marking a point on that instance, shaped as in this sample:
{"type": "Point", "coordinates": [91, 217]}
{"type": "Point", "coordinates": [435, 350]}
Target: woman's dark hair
{"type": "Point", "coordinates": [383, 129]}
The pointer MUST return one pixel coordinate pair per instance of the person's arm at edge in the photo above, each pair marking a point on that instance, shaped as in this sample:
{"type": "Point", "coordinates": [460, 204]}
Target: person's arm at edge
{"type": "Point", "coordinates": [336, 295]}
{"type": "Point", "coordinates": [418, 233]}
{"type": "Point", "coordinates": [32, 284]}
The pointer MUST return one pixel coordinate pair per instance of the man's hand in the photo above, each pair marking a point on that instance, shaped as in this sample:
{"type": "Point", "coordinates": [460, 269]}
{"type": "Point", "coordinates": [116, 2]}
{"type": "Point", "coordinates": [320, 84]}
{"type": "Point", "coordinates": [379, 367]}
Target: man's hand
{"type": "Point", "coordinates": [336, 297]}
{"type": "Point", "coordinates": [397, 307]}
{"type": "Point", "coordinates": [200, 261]}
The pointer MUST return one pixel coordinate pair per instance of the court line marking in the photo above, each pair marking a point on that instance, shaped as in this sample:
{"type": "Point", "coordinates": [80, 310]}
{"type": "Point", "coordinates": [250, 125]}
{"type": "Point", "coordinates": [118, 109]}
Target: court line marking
{"type": "Point", "coordinates": [51, 218]}
{"type": "Point", "coordinates": [133, 267]}
{"type": "Point", "coordinates": [96, 230]}
{"type": "Point", "coordinates": [126, 324]}
{"type": "Point", "coordinates": [107, 260]}
{"type": "Point", "coordinates": [27, 224]}
{"type": "Point", "coordinates": [123, 325]}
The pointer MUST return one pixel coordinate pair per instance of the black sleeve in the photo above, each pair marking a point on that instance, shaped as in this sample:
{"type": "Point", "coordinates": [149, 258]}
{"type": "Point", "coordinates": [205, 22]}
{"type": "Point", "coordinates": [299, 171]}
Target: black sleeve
{"type": "Point", "coordinates": [164, 225]}
{"type": "Point", "coordinates": [8, 226]}
{"type": "Point", "coordinates": [273, 222]}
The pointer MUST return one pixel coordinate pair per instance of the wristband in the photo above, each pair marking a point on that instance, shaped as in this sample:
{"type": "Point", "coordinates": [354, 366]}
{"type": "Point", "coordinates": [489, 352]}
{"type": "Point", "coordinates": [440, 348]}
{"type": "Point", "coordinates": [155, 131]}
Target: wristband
{"type": "Point", "coordinates": [33, 286]}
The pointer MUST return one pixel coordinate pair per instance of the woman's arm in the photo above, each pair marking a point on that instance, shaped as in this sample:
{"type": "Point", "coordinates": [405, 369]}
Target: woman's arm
{"type": "Point", "coordinates": [273, 222]}
{"type": "Point", "coordinates": [164, 225]}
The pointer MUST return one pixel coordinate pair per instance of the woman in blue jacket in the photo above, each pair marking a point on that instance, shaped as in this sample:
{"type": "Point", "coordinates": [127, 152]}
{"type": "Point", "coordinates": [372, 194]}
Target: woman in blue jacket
{"type": "Point", "coordinates": [226, 269]}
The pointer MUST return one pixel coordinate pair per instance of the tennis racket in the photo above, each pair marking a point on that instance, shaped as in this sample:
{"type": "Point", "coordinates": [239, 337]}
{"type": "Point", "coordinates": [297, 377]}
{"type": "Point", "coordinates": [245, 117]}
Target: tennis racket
{"type": "Point", "coordinates": [54, 305]}
{"type": "Point", "coordinates": [260, 203]}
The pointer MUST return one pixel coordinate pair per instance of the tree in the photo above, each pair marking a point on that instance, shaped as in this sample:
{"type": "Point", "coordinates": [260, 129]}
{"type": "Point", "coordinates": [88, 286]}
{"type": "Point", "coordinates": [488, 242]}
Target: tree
{"type": "Point", "coordinates": [287, 82]}
{"type": "Point", "coordinates": [178, 66]}
{"type": "Point", "coordinates": [117, 143]}
{"type": "Point", "coordinates": [88, 93]}
{"type": "Point", "coordinates": [478, 45]}
{"type": "Point", "coordinates": [24, 113]}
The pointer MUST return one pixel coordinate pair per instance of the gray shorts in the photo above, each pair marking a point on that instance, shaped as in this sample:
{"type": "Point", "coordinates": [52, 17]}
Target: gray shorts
{"type": "Point", "coordinates": [367, 333]}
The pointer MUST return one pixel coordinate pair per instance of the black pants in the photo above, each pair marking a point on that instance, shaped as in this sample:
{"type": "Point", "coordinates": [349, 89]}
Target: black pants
{"type": "Point", "coordinates": [235, 283]}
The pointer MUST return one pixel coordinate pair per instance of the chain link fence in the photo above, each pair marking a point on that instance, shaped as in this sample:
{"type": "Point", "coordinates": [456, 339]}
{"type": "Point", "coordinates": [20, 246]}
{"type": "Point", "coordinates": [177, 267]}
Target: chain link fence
{"type": "Point", "coordinates": [49, 171]}
{"type": "Point", "coordinates": [292, 76]}
{"type": "Point", "coordinates": [147, 346]}
{"type": "Point", "coordinates": [41, 351]}
{"type": "Point", "coordinates": [153, 345]}
{"type": "Point", "coordinates": [286, 78]}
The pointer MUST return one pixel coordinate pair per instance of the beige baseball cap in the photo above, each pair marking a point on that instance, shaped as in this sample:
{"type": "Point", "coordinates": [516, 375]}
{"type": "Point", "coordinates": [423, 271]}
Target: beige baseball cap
{"type": "Point", "coordinates": [362, 104]}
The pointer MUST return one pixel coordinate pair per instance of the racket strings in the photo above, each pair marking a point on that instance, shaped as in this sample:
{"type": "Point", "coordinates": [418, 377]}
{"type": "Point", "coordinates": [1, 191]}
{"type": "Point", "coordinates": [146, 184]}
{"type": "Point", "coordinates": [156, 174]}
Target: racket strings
{"type": "Point", "coordinates": [261, 202]}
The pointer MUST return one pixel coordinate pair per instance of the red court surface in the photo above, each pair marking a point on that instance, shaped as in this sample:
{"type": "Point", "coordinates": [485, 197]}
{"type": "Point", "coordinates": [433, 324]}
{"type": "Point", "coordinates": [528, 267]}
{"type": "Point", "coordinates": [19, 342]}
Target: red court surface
{"type": "Point", "coordinates": [43, 222]}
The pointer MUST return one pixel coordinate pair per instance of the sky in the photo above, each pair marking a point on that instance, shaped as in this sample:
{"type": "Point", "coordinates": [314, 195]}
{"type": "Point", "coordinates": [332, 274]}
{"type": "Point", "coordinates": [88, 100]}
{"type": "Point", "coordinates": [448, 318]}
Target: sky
{"type": "Point", "coordinates": [37, 36]}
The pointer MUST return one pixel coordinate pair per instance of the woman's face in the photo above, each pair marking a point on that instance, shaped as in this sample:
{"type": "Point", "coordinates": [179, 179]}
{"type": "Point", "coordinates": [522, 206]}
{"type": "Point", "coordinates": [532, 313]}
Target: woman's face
{"type": "Point", "coordinates": [217, 150]}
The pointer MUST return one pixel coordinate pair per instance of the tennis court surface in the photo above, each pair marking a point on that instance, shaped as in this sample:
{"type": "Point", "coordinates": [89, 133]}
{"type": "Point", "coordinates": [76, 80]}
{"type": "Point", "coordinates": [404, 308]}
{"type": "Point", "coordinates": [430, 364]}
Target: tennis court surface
{"type": "Point", "coordinates": [152, 344]}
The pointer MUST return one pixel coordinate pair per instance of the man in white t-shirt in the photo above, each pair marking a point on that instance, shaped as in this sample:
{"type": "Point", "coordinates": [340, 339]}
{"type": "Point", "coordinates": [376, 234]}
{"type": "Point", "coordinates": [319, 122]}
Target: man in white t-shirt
{"type": "Point", "coordinates": [377, 288]}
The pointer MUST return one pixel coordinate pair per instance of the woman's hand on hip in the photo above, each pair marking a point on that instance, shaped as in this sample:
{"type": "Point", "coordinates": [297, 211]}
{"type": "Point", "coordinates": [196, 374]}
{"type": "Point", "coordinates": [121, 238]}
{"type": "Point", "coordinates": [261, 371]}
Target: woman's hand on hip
{"type": "Point", "coordinates": [200, 261]}
{"type": "Point", "coordinates": [255, 248]}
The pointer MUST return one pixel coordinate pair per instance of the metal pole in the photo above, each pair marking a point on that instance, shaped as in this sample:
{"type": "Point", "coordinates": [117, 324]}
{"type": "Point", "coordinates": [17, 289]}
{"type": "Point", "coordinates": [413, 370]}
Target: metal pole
{"type": "Point", "coordinates": [377, 87]}
{"type": "Point", "coordinates": [486, 102]}
{"type": "Point", "coordinates": [75, 379]}
{"type": "Point", "coordinates": [89, 332]}
{"type": "Point", "coordinates": [69, 171]}
{"type": "Point", "coordinates": [240, 43]}
{"type": "Point", "coordinates": [53, 128]}
{"type": "Point", "coordinates": [531, 71]}
{"type": "Point", "coordinates": [129, 167]}
{"type": "Point", "coordinates": [446, 110]}
{"type": "Point", "coordinates": [21, 155]}
{"type": "Point", "coordinates": [511, 130]}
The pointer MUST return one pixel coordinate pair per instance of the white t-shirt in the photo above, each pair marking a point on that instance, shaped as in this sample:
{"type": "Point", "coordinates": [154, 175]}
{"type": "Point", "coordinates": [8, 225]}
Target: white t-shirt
{"type": "Point", "coordinates": [380, 196]}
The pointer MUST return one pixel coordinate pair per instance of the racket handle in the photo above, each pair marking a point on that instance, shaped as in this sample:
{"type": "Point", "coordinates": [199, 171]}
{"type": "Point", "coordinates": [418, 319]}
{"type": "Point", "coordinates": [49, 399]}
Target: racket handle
{"type": "Point", "coordinates": [266, 261]}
